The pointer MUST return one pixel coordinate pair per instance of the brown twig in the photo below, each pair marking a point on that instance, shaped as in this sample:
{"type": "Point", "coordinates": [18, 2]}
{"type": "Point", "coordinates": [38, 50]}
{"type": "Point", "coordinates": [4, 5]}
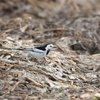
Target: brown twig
{"type": "Point", "coordinates": [16, 84]}
{"type": "Point", "coordinates": [34, 82]}
{"type": "Point", "coordinates": [51, 29]}
{"type": "Point", "coordinates": [60, 47]}
{"type": "Point", "coordinates": [83, 78]}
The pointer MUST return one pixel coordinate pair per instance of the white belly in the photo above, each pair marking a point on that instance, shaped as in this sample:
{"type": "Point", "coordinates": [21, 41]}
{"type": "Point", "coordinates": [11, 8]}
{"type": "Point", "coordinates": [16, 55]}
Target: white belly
{"type": "Point", "coordinates": [37, 55]}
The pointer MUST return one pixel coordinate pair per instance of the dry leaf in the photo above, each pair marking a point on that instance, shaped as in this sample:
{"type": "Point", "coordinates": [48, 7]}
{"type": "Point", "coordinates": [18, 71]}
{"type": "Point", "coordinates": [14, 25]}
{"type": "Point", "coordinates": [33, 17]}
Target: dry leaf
{"type": "Point", "coordinates": [23, 29]}
{"type": "Point", "coordinates": [85, 96]}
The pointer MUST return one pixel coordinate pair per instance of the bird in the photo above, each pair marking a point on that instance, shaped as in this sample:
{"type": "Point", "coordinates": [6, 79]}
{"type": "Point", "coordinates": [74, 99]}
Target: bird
{"type": "Point", "coordinates": [38, 52]}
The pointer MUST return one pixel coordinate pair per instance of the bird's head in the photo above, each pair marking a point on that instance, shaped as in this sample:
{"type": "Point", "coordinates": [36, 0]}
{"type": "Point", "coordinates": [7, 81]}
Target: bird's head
{"type": "Point", "coordinates": [49, 46]}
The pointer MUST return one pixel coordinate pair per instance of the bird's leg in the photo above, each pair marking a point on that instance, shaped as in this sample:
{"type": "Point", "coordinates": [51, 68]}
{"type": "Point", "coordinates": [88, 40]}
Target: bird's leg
{"type": "Point", "coordinates": [37, 61]}
{"type": "Point", "coordinates": [27, 59]}
{"type": "Point", "coordinates": [45, 58]}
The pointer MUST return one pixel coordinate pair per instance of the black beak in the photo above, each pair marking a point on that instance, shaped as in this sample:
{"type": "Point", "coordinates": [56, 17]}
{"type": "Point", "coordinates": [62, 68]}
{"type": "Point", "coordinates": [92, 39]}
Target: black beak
{"type": "Point", "coordinates": [55, 46]}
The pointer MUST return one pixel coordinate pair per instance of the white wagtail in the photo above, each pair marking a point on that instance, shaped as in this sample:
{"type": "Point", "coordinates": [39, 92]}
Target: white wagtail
{"type": "Point", "coordinates": [38, 52]}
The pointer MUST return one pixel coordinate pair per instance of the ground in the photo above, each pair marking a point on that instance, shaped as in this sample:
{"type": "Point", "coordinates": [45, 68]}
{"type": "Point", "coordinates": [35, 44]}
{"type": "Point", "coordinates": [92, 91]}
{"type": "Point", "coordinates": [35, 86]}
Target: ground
{"type": "Point", "coordinates": [72, 69]}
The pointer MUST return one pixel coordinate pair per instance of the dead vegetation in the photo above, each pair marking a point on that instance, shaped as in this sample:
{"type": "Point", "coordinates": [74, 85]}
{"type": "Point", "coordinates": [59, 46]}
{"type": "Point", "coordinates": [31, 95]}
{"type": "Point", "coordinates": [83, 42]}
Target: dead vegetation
{"type": "Point", "coordinates": [72, 71]}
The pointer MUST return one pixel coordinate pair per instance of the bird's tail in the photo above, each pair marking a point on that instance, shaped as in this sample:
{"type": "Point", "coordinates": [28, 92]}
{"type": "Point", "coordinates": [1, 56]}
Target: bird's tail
{"type": "Point", "coordinates": [3, 47]}
{"type": "Point", "coordinates": [19, 49]}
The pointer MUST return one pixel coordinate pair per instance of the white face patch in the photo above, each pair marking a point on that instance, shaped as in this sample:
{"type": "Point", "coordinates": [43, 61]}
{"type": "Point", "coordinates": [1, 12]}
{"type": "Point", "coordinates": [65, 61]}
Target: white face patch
{"type": "Point", "coordinates": [49, 46]}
